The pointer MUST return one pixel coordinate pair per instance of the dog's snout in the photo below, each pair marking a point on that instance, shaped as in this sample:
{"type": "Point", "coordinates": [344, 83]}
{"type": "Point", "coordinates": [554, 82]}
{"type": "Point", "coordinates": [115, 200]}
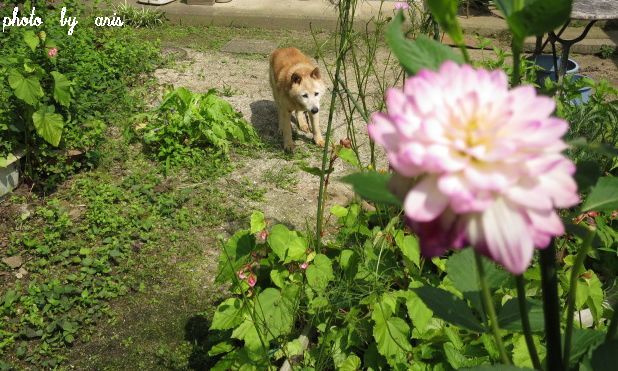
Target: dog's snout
{"type": "Point", "coordinates": [315, 110]}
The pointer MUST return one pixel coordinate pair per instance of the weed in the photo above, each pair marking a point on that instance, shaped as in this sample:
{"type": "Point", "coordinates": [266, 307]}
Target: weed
{"type": "Point", "coordinates": [281, 176]}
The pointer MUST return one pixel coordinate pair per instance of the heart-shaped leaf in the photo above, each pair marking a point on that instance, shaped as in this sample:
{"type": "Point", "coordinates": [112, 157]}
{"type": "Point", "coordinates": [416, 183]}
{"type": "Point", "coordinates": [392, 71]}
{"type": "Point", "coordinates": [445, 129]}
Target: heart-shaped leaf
{"type": "Point", "coordinates": [48, 124]}
{"type": "Point", "coordinates": [27, 89]}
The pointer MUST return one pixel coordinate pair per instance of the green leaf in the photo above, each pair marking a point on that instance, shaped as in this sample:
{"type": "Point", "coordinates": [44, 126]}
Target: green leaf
{"type": "Point", "coordinates": [449, 307]}
{"type": "Point", "coordinates": [339, 211]}
{"type": "Point", "coordinates": [445, 12]}
{"type": "Point", "coordinates": [536, 17]}
{"type": "Point", "coordinates": [604, 195]}
{"type": "Point", "coordinates": [314, 170]}
{"type": "Point", "coordinates": [605, 356]}
{"type": "Point", "coordinates": [27, 89]}
{"type": "Point", "coordinates": [257, 222]}
{"type": "Point", "coordinates": [62, 89]}
{"type": "Point", "coordinates": [286, 244]}
{"type": "Point", "coordinates": [418, 312]}
{"type": "Point", "coordinates": [9, 159]}
{"type": "Point", "coordinates": [521, 356]}
{"type": "Point", "coordinates": [48, 124]}
{"type": "Point", "coordinates": [276, 309]}
{"type": "Point", "coordinates": [458, 360]}
{"type": "Point", "coordinates": [348, 155]}
{"type": "Point", "coordinates": [422, 53]}
{"type": "Point", "coordinates": [348, 260]}
{"type": "Point", "coordinates": [391, 335]}
{"type": "Point", "coordinates": [351, 363]}
{"type": "Point", "coordinates": [582, 341]}
{"type": "Point", "coordinates": [278, 276]}
{"type": "Point", "coordinates": [510, 318]}
{"type": "Point", "coordinates": [220, 348]}
{"type": "Point", "coordinates": [409, 247]}
{"type": "Point", "coordinates": [461, 270]}
{"type": "Point", "coordinates": [31, 39]}
{"type": "Point", "coordinates": [496, 367]}
{"type": "Point", "coordinates": [320, 272]}
{"type": "Point", "coordinates": [372, 186]}
{"type": "Point", "coordinates": [228, 315]}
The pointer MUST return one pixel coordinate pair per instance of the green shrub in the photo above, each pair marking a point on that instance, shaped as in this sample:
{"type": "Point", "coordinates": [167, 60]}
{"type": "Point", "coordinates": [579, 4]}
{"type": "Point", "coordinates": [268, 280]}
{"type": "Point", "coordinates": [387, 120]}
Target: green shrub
{"type": "Point", "coordinates": [187, 126]}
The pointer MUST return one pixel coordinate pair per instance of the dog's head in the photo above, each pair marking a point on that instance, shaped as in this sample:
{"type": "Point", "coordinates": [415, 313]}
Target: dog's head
{"type": "Point", "coordinates": [307, 89]}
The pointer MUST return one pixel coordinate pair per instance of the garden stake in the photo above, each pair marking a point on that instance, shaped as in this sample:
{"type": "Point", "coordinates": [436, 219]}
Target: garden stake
{"type": "Point", "coordinates": [579, 262]}
{"type": "Point", "coordinates": [551, 307]}
{"type": "Point", "coordinates": [489, 309]}
{"type": "Point", "coordinates": [525, 321]}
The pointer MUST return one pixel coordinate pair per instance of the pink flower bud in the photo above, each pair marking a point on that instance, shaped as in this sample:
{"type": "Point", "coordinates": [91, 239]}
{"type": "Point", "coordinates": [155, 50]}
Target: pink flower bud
{"type": "Point", "coordinates": [261, 236]}
{"type": "Point", "coordinates": [401, 5]}
{"type": "Point", "coordinates": [52, 53]}
{"type": "Point", "coordinates": [304, 265]}
{"type": "Point", "coordinates": [252, 280]}
{"type": "Point", "coordinates": [242, 274]}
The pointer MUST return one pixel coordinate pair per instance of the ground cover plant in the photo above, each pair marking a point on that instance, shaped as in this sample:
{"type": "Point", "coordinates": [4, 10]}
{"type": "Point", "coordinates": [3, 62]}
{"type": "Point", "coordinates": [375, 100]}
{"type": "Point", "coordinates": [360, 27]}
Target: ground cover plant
{"type": "Point", "coordinates": [385, 293]}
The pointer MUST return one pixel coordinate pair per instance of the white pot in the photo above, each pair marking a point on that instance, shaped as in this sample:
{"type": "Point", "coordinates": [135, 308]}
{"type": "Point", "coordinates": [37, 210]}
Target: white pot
{"type": "Point", "coordinates": [9, 174]}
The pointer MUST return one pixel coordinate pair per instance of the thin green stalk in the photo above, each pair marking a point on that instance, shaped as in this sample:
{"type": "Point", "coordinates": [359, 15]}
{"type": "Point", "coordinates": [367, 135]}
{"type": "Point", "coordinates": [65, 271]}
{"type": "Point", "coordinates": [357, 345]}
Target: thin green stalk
{"type": "Point", "coordinates": [525, 321]}
{"type": "Point", "coordinates": [613, 325]}
{"type": "Point", "coordinates": [516, 78]}
{"type": "Point", "coordinates": [490, 310]}
{"type": "Point", "coordinates": [551, 307]}
{"type": "Point", "coordinates": [579, 262]}
{"type": "Point", "coordinates": [344, 13]}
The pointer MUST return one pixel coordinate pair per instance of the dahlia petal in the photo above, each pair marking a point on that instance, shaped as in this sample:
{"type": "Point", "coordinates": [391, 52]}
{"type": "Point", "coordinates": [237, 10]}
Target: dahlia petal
{"type": "Point", "coordinates": [382, 131]}
{"type": "Point", "coordinates": [425, 202]}
{"type": "Point", "coordinates": [530, 197]}
{"type": "Point", "coordinates": [545, 224]}
{"type": "Point", "coordinates": [507, 239]}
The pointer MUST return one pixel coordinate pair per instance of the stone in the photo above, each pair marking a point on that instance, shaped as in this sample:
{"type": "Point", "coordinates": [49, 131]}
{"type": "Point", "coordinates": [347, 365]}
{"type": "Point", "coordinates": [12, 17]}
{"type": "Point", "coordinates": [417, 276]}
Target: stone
{"type": "Point", "coordinates": [21, 273]}
{"type": "Point", "coordinates": [249, 46]}
{"type": "Point", "coordinates": [200, 2]}
{"type": "Point", "coordinates": [13, 262]}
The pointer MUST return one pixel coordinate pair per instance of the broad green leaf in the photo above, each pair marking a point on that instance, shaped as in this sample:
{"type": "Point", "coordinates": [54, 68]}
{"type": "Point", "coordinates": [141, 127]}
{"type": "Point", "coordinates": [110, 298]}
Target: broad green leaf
{"type": "Point", "coordinates": [604, 195]}
{"type": "Point", "coordinates": [496, 367]}
{"type": "Point", "coordinates": [339, 211]}
{"type": "Point", "coordinates": [348, 155]}
{"type": "Point", "coordinates": [409, 247]}
{"type": "Point", "coordinates": [422, 53]}
{"type": "Point", "coordinates": [351, 363]}
{"type": "Point", "coordinates": [372, 186]}
{"type": "Point", "coordinates": [348, 260]}
{"type": "Point", "coordinates": [275, 310]}
{"type": "Point", "coordinates": [279, 276]}
{"type": "Point", "coordinates": [320, 272]}
{"type": "Point", "coordinates": [595, 295]}
{"type": "Point", "coordinates": [237, 252]}
{"type": "Point", "coordinates": [31, 39]}
{"type": "Point", "coordinates": [286, 244]}
{"type": "Point", "coordinates": [228, 315]}
{"type": "Point", "coordinates": [458, 360]}
{"type": "Point", "coordinates": [582, 341]}
{"type": "Point", "coordinates": [461, 270]}
{"type": "Point", "coordinates": [445, 12]}
{"type": "Point", "coordinates": [220, 348]}
{"type": "Point", "coordinates": [605, 356]}
{"type": "Point", "coordinates": [449, 307]}
{"type": "Point", "coordinates": [392, 336]}
{"type": "Point", "coordinates": [521, 356]}
{"type": "Point", "coordinates": [257, 222]}
{"type": "Point", "coordinates": [248, 332]}
{"type": "Point", "coordinates": [510, 318]}
{"type": "Point", "coordinates": [48, 124]}
{"type": "Point", "coordinates": [27, 89]}
{"type": "Point", "coordinates": [62, 89]}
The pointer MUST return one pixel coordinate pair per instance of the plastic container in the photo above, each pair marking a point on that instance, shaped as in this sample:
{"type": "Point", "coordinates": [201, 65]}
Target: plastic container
{"type": "Point", "coordinates": [546, 62]}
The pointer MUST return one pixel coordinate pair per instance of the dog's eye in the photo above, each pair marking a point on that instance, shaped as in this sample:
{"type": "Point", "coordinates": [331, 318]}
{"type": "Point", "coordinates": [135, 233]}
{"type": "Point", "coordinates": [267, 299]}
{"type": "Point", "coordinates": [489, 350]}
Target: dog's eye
{"type": "Point", "coordinates": [316, 94]}
{"type": "Point", "coordinates": [305, 95]}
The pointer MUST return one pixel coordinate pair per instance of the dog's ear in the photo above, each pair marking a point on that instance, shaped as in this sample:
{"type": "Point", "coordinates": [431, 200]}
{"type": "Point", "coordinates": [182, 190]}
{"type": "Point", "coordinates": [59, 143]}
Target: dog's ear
{"type": "Point", "coordinates": [315, 73]}
{"type": "Point", "coordinates": [296, 79]}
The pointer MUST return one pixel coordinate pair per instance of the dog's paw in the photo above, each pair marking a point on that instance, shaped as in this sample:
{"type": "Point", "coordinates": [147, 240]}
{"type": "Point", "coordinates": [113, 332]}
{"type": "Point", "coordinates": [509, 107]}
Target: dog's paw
{"type": "Point", "coordinates": [289, 147]}
{"type": "Point", "coordinates": [319, 142]}
{"type": "Point", "coordinates": [304, 127]}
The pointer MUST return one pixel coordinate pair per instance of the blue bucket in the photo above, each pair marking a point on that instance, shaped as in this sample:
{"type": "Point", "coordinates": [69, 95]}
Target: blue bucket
{"type": "Point", "coordinates": [584, 93]}
{"type": "Point", "coordinates": [546, 62]}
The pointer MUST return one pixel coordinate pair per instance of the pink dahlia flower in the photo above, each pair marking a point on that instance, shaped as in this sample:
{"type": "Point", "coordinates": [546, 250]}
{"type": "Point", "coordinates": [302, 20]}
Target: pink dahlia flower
{"type": "Point", "coordinates": [401, 5]}
{"type": "Point", "coordinates": [486, 160]}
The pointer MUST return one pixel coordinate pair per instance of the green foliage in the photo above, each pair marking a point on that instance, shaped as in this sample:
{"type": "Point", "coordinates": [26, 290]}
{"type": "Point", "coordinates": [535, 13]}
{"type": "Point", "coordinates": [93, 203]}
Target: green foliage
{"type": "Point", "coordinates": [53, 105]}
{"type": "Point", "coordinates": [604, 196]}
{"type": "Point", "coordinates": [187, 126]}
{"type": "Point", "coordinates": [138, 18]}
{"type": "Point", "coordinates": [418, 54]}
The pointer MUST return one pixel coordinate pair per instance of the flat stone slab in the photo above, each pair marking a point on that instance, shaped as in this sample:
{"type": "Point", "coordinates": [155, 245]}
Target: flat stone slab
{"type": "Point", "coordinates": [249, 46]}
{"type": "Point", "coordinates": [595, 9]}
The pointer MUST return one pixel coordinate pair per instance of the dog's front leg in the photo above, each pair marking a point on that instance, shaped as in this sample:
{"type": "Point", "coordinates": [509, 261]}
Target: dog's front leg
{"type": "Point", "coordinates": [285, 126]}
{"type": "Point", "coordinates": [317, 133]}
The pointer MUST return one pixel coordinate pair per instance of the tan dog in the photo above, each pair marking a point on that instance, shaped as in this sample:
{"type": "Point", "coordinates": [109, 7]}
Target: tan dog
{"type": "Point", "coordinates": [297, 88]}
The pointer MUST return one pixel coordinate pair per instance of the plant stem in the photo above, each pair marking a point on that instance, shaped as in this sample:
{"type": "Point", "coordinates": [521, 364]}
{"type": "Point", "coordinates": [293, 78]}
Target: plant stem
{"type": "Point", "coordinates": [525, 321]}
{"type": "Point", "coordinates": [551, 307]}
{"type": "Point", "coordinates": [490, 310]}
{"type": "Point", "coordinates": [613, 325]}
{"type": "Point", "coordinates": [579, 262]}
{"type": "Point", "coordinates": [516, 78]}
{"type": "Point", "coordinates": [345, 26]}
